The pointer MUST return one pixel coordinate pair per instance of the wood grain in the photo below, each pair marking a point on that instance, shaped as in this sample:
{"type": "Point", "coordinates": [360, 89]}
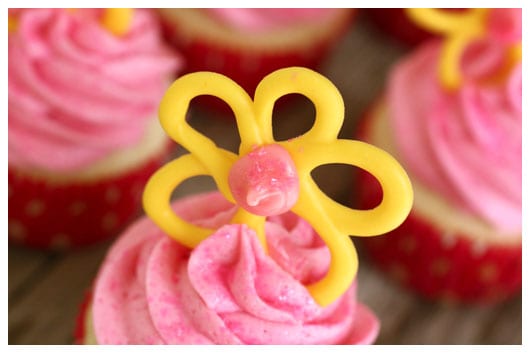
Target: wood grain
{"type": "Point", "coordinates": [45, 289]}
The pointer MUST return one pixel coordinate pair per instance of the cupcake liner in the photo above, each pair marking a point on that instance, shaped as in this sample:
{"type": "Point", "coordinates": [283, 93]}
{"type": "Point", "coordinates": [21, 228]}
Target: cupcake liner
{"type": "Point", "coordinates": [246, 67]}
{"type": "Point", "coordinates": [395, 23]}
{"type": "Point", "coordinates": [62, 216]}
{"type": "Point", "coordinates": [436, 263]}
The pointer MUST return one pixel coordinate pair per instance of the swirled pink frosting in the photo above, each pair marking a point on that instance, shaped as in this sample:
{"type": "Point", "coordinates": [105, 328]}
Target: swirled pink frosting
{"type": "Point", "coordinates": [466, 144]}
{"type": "Point", "coordinates": [266, 19]}
{"type": "Point", "coordinates": [78, 92]}
{"type": "Point", "coordinates": [151, 290]}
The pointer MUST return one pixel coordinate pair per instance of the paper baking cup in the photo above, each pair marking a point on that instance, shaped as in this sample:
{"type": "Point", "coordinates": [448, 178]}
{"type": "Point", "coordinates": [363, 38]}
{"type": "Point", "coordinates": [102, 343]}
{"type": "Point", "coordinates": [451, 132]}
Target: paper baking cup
{"type": "Point", "coordinates": [394, 23]}
{"type": "Point", "coordinates": [246, 66]}
{"type": "Point", "coordinates": [49, 216]}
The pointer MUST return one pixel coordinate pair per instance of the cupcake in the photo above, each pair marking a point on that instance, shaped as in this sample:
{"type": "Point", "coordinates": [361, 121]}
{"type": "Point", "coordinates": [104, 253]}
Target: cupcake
{"type": "Point", "coordinates": [457, 131]}
{"type": "Point", "coordinates": [396, 23]}
{"type": "Point", "coordinates": [251, 264]}
{"type": "Point", "coordinates": [153, 290]}
{"type": "Point", "coordinates": [84, 87]}
{"type": "Point", "coordinates": [247, 44]}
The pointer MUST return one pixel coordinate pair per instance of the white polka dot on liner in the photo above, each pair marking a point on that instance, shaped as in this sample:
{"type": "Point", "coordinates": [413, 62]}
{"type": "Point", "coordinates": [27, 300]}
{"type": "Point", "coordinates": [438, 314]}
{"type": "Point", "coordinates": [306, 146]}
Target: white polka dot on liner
{"type": "Point", "coordinates": [16, 230]}
{"type": "Point", "coordinates": [77, 208]}
{"type": "Point", "coordinates": [488, 273]}
{"type": "Point", "coordinates": [60, 241]}
{"type": "Point", "coordinates": [35, 208]}
{"type": "Point", "coordinates": [112, 194]}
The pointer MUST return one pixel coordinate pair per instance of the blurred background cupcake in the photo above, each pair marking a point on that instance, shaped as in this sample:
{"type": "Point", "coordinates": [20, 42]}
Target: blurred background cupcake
{"type": "Point", "coordinates": [246, 44]}
{"type": "Point", "coordinates": [84, 87]}
{"type": "Point", "coordinates": [451, 114]}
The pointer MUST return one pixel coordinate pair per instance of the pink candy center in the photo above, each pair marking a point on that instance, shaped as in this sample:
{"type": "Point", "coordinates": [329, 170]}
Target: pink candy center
{"type": "Point", "coordinates": [265, 182]}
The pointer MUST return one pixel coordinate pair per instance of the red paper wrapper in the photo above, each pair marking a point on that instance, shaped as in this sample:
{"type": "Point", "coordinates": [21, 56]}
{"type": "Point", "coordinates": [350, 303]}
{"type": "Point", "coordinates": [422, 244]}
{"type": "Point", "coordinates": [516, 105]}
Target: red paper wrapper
{"type": "Point", "coordinates": [395, 23]}
{"type": "Point", "coordinates": [48, 216]}
{"type": "Point", "coordinates": [246, 67]}
{"type": "Point", "coordinates": [436, 263]}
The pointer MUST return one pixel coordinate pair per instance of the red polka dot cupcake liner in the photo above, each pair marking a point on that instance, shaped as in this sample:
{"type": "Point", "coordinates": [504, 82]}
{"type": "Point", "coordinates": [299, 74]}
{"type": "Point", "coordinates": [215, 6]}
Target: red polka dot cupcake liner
{"type": "Point", "coordinates": [436, 263]}
{"type": "Point", "coordinates": [441, 265]}
{"type": "Point", "coordinates": [395, 23]}
{"type": "Point", "coordinates": [245, 66]}
{"type": "Point", "coordinates": [62, 216]}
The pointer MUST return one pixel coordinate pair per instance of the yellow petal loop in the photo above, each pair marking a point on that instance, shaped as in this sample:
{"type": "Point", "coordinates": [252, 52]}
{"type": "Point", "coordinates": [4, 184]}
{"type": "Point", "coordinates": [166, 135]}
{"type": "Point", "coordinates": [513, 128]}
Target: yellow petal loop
{"type": "Point", "coordinates": [470, 22]}
{"type": "Point", "coordinates": [396, 186]}
{"type": "Point", "coordinates": [173, 109]}
{"type": "Point", "coordinates": [459, 29]}
{"type": "Point", "coordinates": [157, 197]}
{"type": "Point", "coordinates": [449, 68]}
{"type": "Point", "coordinates": [117, 20]}
{"type": "Point", "coordinates": [329, 106]}
{"type": "Point", "coordinates": [332, 221]}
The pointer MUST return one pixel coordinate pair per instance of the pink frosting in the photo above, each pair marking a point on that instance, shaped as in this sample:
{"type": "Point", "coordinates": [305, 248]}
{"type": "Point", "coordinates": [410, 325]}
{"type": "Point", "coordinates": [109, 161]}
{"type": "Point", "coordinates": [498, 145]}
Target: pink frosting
{"type": "Point", "coordinates": [466, 144]}
{"type": "Point", "coordinates": [266, 19]}
{"type": "Point", "coordinates": [78, 92]}
{"type": "Point", "coordinates": [151, 290]}
{"type": "Point", "coordinates": [505, 25]}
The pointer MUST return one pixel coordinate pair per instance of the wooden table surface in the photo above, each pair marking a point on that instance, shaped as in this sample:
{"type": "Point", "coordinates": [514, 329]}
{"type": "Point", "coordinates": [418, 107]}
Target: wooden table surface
{"type": "Point", "coordinates": [45, 289]}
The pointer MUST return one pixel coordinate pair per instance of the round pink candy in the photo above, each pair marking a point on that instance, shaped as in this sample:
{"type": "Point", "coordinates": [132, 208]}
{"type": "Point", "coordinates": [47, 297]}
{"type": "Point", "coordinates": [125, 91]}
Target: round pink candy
{"type": "Point", "coordinates": [265, 182]}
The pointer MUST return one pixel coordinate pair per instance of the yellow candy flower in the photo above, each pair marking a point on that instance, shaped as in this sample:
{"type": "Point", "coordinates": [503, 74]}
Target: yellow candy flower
{"type": "Point", "coordinates": [459, 29]}
{"type": "Point", "coordinates": [318, 146]}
